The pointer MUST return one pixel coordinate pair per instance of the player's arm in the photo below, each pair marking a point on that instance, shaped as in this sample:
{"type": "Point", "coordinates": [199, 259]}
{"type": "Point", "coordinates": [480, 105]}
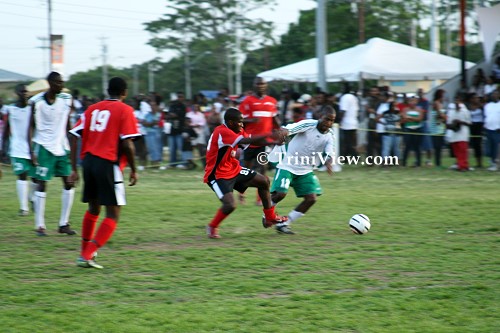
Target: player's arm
{"type": "Point", "coordinates": [6, 130]}
{"type": "Point", "coordinates": [73, 142]}
{"type": "Point", "coordinates": [31, 128]}
{"type": "Point", "coordinates": [128, 149]}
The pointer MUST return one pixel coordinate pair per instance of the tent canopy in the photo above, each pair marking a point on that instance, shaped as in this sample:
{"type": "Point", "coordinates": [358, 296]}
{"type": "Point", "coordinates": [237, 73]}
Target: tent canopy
{"type": "Point", "coordinates": [377, 59]}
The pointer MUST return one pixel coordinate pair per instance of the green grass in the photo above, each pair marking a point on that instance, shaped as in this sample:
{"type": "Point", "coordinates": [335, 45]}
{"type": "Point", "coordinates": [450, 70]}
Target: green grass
{"type": "Point", "coordinates": [429, 264]}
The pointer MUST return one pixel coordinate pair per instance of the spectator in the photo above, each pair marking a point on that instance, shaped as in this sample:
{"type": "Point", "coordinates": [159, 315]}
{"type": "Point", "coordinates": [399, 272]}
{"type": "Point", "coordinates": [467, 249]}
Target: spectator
{"type": "Point", "coordinates": [437, 125]}
{"type": "Point", "coordinates": [151, 124]}
{"type": "Point", "coordinates": [426, 140]}
{"type": "Point", "coordinates": [199, 125]}
{"type": "Point", "coordinates": [476, 128]}
{"type": "Point", "coordinates": [489, 87]}
{"type": "Point", "coordinates": [176, 115]}
{"type": "Point", "coordinates": [188, 135]}
{"type": "Point", "coordinates": [373, 140]}
{"type": "Point", "coordinates": [390, 119]}
{"type": "Point", "coordinates": [412, 117]}
{"type": "Point", "coordinates": [492, 127]}
{"type": "Point", "coordinates": [458, 120]}
{"type": "Point", "coordinates": [349, 108]}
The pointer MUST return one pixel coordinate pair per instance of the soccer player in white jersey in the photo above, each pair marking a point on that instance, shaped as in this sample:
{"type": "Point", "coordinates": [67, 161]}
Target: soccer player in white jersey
{"type": "Point", "coordinates": [17, 124]}
{"type": "Point", "coordinates": [311, 144]}
{"type": "Point", "coordinates": [49, 126]}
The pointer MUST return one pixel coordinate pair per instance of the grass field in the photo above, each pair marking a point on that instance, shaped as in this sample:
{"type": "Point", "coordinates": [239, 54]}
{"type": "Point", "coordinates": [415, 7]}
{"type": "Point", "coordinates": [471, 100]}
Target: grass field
{"type": "Point", "coordinates": [429, 264]}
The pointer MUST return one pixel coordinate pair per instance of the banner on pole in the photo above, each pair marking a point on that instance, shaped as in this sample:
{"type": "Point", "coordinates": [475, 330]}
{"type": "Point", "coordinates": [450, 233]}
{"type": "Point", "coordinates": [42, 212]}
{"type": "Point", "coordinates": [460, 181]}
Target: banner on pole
{"type": "Point", "coordinates": [57, 52]}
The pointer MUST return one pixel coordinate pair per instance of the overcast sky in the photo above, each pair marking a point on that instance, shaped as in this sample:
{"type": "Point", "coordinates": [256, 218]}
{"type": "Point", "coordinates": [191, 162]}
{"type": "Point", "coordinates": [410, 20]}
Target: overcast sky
{"type": "Point", "coordinates": [84, 24]}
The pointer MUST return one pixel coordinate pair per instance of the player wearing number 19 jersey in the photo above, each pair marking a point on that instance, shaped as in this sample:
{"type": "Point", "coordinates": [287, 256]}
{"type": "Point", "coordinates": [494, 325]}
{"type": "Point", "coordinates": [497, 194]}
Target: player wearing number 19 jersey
{"type": "Point", "coordinates": [106, 129]}
{"type": "Point", "coordinates": [223, 172]}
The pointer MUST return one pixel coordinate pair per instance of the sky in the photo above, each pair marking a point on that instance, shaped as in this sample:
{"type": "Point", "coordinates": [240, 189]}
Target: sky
{"type": "Point", "coordinates": [86, 25]}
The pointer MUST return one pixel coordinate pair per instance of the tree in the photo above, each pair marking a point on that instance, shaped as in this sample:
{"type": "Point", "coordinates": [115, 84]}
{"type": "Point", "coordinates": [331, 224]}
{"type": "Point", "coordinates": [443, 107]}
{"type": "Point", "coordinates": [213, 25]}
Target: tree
{"type": "Point", "coordinates": [192, 27]}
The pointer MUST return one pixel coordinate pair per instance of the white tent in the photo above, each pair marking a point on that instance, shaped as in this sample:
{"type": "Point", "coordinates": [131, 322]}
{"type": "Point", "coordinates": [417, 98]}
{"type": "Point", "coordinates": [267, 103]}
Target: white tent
{"type": "Point", "coordinates": [377, 59]}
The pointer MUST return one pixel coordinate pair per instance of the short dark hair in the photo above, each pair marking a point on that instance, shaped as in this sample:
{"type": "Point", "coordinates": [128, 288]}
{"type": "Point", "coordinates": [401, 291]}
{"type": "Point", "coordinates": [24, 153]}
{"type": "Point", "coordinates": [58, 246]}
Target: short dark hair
{"type": "Point", "coordinates": [117, 86]}
{"type": "Point", "coordinates": [232, 114]}
{"type": "Point", "coordinates": [52, 76]}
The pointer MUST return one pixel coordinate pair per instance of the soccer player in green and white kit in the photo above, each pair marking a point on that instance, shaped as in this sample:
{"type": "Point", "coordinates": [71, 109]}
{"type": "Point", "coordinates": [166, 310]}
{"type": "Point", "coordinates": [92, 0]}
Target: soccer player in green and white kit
{"type": "Point", "coordinates": [50, 113]}
{"type": "Point", "coordinates": [18, 121]}
{"type": "Point", "coordinates": [311, 143]}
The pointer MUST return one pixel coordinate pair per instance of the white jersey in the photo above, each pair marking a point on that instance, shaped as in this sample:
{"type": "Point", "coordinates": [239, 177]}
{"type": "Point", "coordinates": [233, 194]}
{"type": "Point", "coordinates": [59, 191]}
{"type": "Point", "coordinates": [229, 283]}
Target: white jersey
{"type": "Point", "coordinates": [306, 150]}
{"type": "Point", "coordinates": [19, 123]}
{"type": "Point", "coordinates": [51, 122]}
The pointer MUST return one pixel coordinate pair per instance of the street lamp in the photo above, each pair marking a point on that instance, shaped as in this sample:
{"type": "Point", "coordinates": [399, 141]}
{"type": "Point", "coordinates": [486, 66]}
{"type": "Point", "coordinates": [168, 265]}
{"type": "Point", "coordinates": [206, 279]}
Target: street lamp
{"type": "Point", "coordinates": [188, 65]}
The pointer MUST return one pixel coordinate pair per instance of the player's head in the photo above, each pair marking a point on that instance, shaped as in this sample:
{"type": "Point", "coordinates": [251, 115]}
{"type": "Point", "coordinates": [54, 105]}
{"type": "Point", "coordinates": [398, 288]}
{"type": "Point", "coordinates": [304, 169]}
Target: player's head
{"type": "Point", "coordinates": [326, 119]}
{"type": "Point", "coordinates": [21, 91]}
{"type": "Point", "coordinates": [233, 119]}
{"type": "Point", "coordinates": [260, 85]}
{"type": "Point", "coordinates": [117, 87]}
{"type": "Point", "coordinates": [56, 82]}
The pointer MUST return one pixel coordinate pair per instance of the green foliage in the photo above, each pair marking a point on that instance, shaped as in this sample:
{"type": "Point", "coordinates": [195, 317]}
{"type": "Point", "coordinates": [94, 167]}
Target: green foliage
{"type": "Point", "coordinates": [429, 264]}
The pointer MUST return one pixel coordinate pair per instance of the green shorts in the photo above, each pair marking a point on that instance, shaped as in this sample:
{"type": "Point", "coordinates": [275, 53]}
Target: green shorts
{"type": "Point", "coordinates": [22, 165]}
{"type": "Point", "coordinates": [50, 165]}
{"type": "Point", "coordinates": [302, 184]}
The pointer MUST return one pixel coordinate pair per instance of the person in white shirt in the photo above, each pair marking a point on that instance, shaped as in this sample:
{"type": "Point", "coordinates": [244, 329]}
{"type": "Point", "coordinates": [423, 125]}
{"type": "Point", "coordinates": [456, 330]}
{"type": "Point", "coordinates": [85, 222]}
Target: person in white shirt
{"type": "Point", "coordinates": [49, 125]}
{"type": "Point", "coordinates": [17, 124]}
{"type": "Point", "coordinates": [349, 108]}
{"type": "Point", "coordinates": [459, 120]}
{"type": "Point", "coordinates": [199, 125]}
{"type": "Point", "coordinates": [492, 127]}
{"type": "Point", "coordinates": [312, 144]}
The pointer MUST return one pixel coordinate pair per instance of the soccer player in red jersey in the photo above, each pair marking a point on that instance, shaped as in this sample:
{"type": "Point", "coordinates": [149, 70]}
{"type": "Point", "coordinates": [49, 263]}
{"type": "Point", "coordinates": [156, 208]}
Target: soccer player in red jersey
{"type": "Point", "coordinates": [223, 172]}
{"type": "Point", "coordinates": [260, 114]}
{"type": "Point", "coordinates": [107, 129]}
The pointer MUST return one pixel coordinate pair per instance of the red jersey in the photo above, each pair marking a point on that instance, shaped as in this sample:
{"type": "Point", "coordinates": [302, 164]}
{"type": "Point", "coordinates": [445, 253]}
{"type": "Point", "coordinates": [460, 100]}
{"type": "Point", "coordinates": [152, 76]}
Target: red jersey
{"type": "Point", "coordinates": [221, 151]}
{"type": "Point", "coordinates": [102, 126]}
{"type": "Point", "coordinates": [265, 109]}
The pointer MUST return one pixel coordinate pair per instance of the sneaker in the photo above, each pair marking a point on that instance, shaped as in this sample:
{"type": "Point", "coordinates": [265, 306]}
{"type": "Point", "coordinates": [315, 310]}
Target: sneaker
{"type": "Point", "coordinates": [40, 232]}
{"type": "Point", "coordinates": [212, 232]}
{"type": "Point", "coordinates": [277, 219]}
{"type": "Point", "coordinates": [282, 228]}
{"type": "Point", "coordinates": [65, 229]}
{"type": "Point", "coordinates": [453, 167]}
{"type": "Point", "coordinates": [80, 262]}
{"type": "Point", "coordinates": [23, 212]}
{"type": "Point", "coordinates": [493, 167]}
{"type": "Point", "coordinates": [141, 168]}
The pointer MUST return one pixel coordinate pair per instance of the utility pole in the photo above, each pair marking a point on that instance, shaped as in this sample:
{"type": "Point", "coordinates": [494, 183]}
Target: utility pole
{"type": "Point", "coordinates": [448, 30]}
{"type": "Point", "coordinates": [463, 52]}
{"type": "Point", "coordinates": [49, 16]}
{"type": "Point", "coordinates": [135, 81]}
{"type": "Point", "coordinates": [361, 21]}
{"type": "Point", "coordinates": [44, 47]}
{"type": "Point", "coordinates": [104, 66]}
{"type": "Point", "coordinates": [434, 47]}
{"type": "Point", "coordinates": [230, 82]}
{"type": "Point", "coordinates": [321, 43]}
{"type": "Point", "coordinates": [237, 68]}
{"type": "Point", "coordinates": [187, 71]}
{"type": "Point", "coordinates": [151, 77]}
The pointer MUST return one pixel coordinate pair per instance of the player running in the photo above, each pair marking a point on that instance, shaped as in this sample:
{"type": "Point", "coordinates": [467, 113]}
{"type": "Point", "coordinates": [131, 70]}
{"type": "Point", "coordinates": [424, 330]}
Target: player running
{"type": "Point", "coordinates": [223, 172]}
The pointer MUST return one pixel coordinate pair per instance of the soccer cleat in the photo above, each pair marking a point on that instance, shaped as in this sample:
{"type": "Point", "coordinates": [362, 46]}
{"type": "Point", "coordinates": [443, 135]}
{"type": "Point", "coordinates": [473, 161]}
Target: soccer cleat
{"type": "Point", "coordinates": [65, 229]}
{"type": "Point", "coordinates": [40, 232]}
{"type": "Point", "coordinates": [80, 262]}
{"type": "Point", "coordinates": [23, 212]}
{"type": "Point", "coordinates": [283, 228]}
{"type": "Point", "coordinates": [277, 219]}
{"type": "Point", "coordinates": [212, 232]}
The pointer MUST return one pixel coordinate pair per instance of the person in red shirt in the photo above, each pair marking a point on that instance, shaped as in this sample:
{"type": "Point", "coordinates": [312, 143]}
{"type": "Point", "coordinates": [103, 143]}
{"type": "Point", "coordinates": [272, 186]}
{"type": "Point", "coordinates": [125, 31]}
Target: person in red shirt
{"type": "Point", "coordinates": [260, 114]}
{"type": "Point", "coordinates": [223, 172]}
{"type": "Point", "coordinates": [106, 129]}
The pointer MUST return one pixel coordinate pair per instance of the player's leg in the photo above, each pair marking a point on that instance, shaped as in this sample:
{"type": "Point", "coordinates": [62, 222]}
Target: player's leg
{"type": "Point", "coordinates": [104, 232]}
{"type": "Point", "coordinates": [223, 188]}
{"type": "Point", "coordinates": [43, 173]}
{"type": "Point", "coordinates": [250, 178]}
{"type": "Point", "coordinates": [20, 167]}
{"type": "Point", "coordinates": [308, 188]}
{"type": "Point", "coordinates": [63, 170]}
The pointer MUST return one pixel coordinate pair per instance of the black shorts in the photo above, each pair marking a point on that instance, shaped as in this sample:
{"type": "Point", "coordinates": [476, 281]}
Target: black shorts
{"type": "Point", "coordinates": [224, 186]}
{"type": "Point", "coordinates": [103, 180]}
{"type": "Point", "coordinates": [250, 153]}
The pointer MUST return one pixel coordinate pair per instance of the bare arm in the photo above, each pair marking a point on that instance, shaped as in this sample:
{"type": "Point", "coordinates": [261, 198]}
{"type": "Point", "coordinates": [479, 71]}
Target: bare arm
{"type": "Point", "coordinates": [128, 149]}
{"type": "Point", "coordinates": [31, 127]}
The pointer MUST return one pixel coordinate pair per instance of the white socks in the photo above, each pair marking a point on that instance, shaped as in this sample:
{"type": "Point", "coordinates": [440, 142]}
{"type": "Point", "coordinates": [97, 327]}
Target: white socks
{"type": "Point", "coordinates": [22, 194]}
{"type": "Point", "coordinates": [294, 215]}
{"type": "Point", "coordinates": [66, 204]}
{"type": "Point", "coordinates": [39, 199]}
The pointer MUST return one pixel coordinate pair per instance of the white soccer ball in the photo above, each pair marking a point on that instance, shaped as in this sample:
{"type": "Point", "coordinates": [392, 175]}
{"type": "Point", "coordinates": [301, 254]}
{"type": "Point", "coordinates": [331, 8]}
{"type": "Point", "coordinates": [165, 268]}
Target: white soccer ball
{"type": "Point", "coordinates": [360, 224]}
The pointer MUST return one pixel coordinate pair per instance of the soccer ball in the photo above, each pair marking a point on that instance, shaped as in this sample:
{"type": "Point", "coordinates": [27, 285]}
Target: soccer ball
{"type": "Point", "coordinates": [360, 224]}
